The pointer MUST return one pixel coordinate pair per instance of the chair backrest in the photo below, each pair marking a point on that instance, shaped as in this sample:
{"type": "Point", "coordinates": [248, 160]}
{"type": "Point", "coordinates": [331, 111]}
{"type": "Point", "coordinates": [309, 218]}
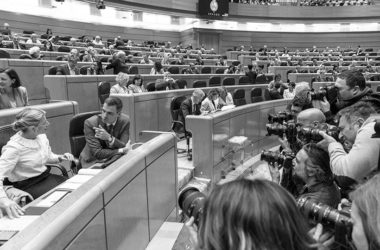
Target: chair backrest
{"type": "Point", "coordinates": [63, 49]}
{"type": "Point", "coordinates": [104, 89]}
{"type": "Point", "coordinates": [214, 81]}
{"type": "Point", "coordinates": [104, 59]}
{"type": "Point", "coordinates": [52, 70]}
{"type": "Point", "coordinates": [173, 70]}
{"type": "Point", "coordinates": [25, 56]}
{"type": "Point", "coordinates": [182, 84]}
{"type": "Point", "coordinates": [76, 134]}
{"type": "Point", "coordinates": [60, 58]}
{"type": "Point", "coordinates": [151, 86]}
{"type": "Point", "coordinates": [133, 70]}
{"type": "Point", "coordinates": [267, 95]}
{"type": "Point", "coordinates": [256, 95]}
{"type": "Point", "coordinates": [206, 70]}
{"type": "Point", "coordinates": [235, 63]}
{"type": "Point", "coordinates": [4, 54]}
{"type": "Point", "coordinates": [243, 80]}
{"type": "Point", "coordinates": [228, 81]}
{"type": "Point", "coordinates": [219, 71]}
{"type": "Point", "coordinates": [175, 110]}
{"type": "Point", "coordinates": [378, 89]}
{"type": "Point", "coordinates": [83, 70]}
{"type": "Point", "coordinates": [199, 84]}
{"type": "Point", "coordinates": [261, 79]}
{"type": "Point", "coordinates": [239, 97]}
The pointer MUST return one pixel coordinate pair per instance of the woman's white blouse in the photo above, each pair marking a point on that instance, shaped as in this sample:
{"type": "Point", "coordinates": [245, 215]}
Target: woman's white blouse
{"type": "Point", "coordinates": [23, 158]}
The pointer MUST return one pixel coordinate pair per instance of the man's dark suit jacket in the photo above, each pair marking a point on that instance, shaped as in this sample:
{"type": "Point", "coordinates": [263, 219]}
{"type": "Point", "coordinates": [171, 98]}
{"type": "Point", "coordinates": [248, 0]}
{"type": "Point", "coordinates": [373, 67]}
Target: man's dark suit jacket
{"type": "Point", "coordinates": [64, 70]}
{"type": "Point", "coordinates": [117, 67]}
{"type": "Point", "coordinates": [252, 76]}
{"type": "Point", "coordinates": [187, 109]}
{"type": "Point", "coordinates": [98, 150]}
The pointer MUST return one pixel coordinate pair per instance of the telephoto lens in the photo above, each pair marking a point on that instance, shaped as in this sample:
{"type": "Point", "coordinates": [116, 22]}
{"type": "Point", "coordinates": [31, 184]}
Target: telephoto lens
{"type": "Point", "coordinates": [283, 160]}
{"type": "Point", "coordinates": [324, 214]}
{"type": "Point", "coordinates": [282, 116]}
{"type": "Point", "coordinates": [191, 201]}
{"type": "Point", "coordinates": [318, 95]}
{"type": "Point", "coordinates": [312, 134]}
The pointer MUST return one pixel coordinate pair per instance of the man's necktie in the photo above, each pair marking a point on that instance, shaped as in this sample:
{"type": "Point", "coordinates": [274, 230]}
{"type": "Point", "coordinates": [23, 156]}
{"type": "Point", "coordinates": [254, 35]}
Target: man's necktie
{"type": "Point", "coordinates": [110, 129]}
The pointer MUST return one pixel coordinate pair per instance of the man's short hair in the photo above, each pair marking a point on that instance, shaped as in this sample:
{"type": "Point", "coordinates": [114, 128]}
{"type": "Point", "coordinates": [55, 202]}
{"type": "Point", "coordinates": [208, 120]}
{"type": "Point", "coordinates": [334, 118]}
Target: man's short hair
{"type": "Point", "coordinates": [353, 78]}
{"type": "Point", "coordinates": [250, 66]}
{"type": "Point", "coordinates": [199, 93]}
{"type": "Point", "coordinates": [358, 110]}
{"type": "Point", "coordinates": [114, 101]}
{"type": "Point", "coordinates": [320, 160]}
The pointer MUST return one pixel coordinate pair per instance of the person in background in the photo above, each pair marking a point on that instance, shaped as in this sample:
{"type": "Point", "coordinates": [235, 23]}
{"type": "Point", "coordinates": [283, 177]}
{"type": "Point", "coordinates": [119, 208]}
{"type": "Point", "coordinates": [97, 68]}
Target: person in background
{"type": "Point", "coordinates": [365, 213]}
{"type": "Point", "coordinates": [199, 60]}
{"type": "Point", "coordinates": [23, 159]}
{"type": "Point", "coordinates": [121, 87]}
{"type": "Point", "coordinates": [275, 93]}
{"type": "Point", "coordinates": [276, 81]}
{"type": "Point", "coordinates": [97, 41]}
{"type": "Point", "coordinates": [16, 43]}
{"type": "Point", "coordinates": [212, 102]}
{"type": "Point", "coordinates": [220, 62]}
{"type": "Point", "coordinates": [165, 60]}
{"type": "Point", "coordinates": [107, 134]}
{"type": "Point", "coordinates": [180, 60]}
{"type": "Point", "coordinates": [6, 30]}
{"type": "Point", "coordinates": [70, 68]}
{"type": "Point", "coordinates": [12, 94]}
{"type": "Point", "coordinates": [96, 68]}
{"type": "Point", "coordinates": [192, 105]}
{"type": "Point", "coordinates": [191, 69]}
{"type": "Point", "coordinates": [48, 46]}
{"type": "Point", "coordinates": [35, 53]}
{"type": "Point", "coordinates": [240, 69]}
{"type": "Point", "coordinates": [251, 74]}
{"type": "Point", "coordinates": [251, 214]}
{"type": "Point", "coordinates": [33, 39]}
{"type": "Point", "coordinates": [137, 85]}
{"type": "Point", "coordinates": [157, 69]}
{"type": "Point", "coordinates": [230, 70]}
{"type": "Point", "coordinates": [118, 64]}
{"type": "Point", "coordinates": [225, 96]}
{"type": "Point", "coordinates": [145, 60]}
{"type": "Point", "coordinates": [289, 93]}
{"type": "Point", "coordinates": [90, 55]}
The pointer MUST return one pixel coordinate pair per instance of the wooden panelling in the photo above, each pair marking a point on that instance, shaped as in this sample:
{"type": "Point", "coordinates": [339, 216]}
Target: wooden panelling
{"type": "Point", "coordinates": [21, 22]}
{"type": "Point", "coordinates": [229, 39]}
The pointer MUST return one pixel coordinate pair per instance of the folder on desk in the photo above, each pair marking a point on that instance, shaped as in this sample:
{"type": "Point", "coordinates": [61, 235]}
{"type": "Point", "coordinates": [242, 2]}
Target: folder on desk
{"type": "Point", "coordinates": [9, 227]}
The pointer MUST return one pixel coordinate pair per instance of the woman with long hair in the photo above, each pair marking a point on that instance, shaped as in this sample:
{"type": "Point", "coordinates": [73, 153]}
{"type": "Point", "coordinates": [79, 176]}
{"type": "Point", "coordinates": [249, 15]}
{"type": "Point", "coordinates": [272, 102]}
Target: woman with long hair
{"type": "Point", "coordinates": [253, 214]}
{"type": "Point", "coordinates": [365, 213]}
{"type": "Point", "coordinates": [12, 94]}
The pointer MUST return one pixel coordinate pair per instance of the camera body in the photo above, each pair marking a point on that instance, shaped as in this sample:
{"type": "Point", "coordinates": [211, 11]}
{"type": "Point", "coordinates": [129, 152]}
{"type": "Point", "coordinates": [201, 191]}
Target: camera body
{"type": "Point", "coordinates": [288, 129]}
{"type": "Point", "coordinates": [284, 160]}
{"type": "Point", "coordinates": [330, 92]}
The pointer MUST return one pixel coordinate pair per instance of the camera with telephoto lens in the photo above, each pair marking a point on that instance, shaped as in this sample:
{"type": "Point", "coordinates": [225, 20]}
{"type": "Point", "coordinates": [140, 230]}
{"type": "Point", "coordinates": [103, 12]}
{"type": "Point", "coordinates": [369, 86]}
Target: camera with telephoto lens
{"type": "Point", "coordinates": [282, 116]}
{"type": "Point", "coordinates": [338, 220]}
{"type": "Point", "coordinates": [330, 92]}
{"type": "Point", "coordinates": [287, 129]}
{"type": "Point", "coordinates": [192, 201]}
{"type": "Point", "coordinates": [312, 134]}
{"type": "Point", "coordinates": [284, 160]}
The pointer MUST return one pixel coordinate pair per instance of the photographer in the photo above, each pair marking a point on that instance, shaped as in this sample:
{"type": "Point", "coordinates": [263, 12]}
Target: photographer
{"type": "Point", "coordinates": [365, 214]}
{"type": "Point", "coordinates": [356, 128]}
{"type": "Point", "coordinates": [252, 214]}
{"type": "Point", "coordinates": [312, 176]}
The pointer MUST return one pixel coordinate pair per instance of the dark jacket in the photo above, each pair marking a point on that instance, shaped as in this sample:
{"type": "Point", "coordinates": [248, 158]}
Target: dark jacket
{"type": "Point", "coordinates": [252, 76]}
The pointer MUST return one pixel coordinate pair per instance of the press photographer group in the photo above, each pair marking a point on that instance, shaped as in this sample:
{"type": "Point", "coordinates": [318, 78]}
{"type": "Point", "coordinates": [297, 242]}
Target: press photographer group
{"type": "Point", "coordinates": [324, 187]}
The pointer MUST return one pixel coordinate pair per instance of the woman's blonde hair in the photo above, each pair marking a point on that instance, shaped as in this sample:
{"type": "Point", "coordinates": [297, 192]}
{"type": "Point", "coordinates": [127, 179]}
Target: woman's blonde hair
{"type": "Point", "coordinates": [122, 77]}
{"type": "Point", "coordinates": [28, 117]}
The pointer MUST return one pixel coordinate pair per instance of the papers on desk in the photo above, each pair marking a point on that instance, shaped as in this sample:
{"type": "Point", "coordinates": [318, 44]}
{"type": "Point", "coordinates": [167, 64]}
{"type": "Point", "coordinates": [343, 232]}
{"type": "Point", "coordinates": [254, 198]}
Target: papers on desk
{"type": "Point", "coordinates": [52, 198]}
{"type": "Point", "coordinates": [89, 171]}
{"type": "Point", "coordinates": [79, 178]}
{"type": "Point", "coordinates": [9, 227]}
{"type": "Point", "coordinates": [228, 107]}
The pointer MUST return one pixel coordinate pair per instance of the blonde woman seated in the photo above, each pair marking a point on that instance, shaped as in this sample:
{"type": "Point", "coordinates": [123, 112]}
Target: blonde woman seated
{"type": "Point", "coordinates": [137, 85]}
{"type": "Point", "coordinates": [212, 102]}
{"type": "Point", "coordinates": [225, 96]}
{"type": "Point", "coordinates": [12, 94]}
{"type": "Point", "coordinates": [121, 87]}
{"type": "Point", "coordinates": [23, 159]}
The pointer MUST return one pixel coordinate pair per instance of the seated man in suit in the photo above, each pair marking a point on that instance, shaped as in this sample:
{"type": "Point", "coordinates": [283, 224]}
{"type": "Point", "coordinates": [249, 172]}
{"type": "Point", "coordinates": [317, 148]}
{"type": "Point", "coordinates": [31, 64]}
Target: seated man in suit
{"type": "Point", "coordinates": [192, 105]}
{"type": "Point", "coordinates": [106, 134]}
{"type": "Point", "coordinates": [70, 68]}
